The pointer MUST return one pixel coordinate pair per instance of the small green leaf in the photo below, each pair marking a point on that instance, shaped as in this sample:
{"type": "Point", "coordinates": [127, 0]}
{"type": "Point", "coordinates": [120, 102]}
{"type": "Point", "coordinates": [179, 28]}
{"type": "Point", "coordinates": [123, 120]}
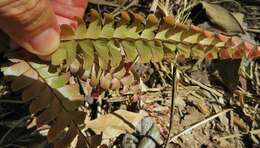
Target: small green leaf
{"type": "Point", "coordinates": [88, 50]}
{"type": "Point", "coordinates": [107, 31]}
{"type": "Point", "coordinates": [94, 29]}
{"type": "Point", "coordinates": [157, 51]}
{"type": "Point", "coordinates": [58, 56]}
{"type": "Point", "coordinates": [81, 31]}
{"type": "Point", "coordinates": [207, 41]}
{"type": "Point", "coordinates": [192, 39]}
{"type": "Point", "coordinates": [46, 73]}
{"type": "Point", "coordinates": [102, 52]}
{"type": "Point", "coordinates": [148, 33]}
{"type": "Point", "coordinates": [130, 50]}
{"type": "Point", "coordinates": [144, 51]}
{"type": "Point", "coordinates": [132, 33]}
{"type": "Point", "coordinates": [57, 82]}
{"type": "Point", "coordinates": [37, 65]}
{"type": "Point", "coordinates": [161, 35]}
{"type": "Point", "coordinates": [197, 52]}
{"type": "Point", "coordinates": [176, 36]}
{"type": "Point", "coordinates": [115, 53]}
{"type": "Point", "coordinates": [71, 47]}
{"type": "Point", "coordinates": [170, 46]}
{"type": "Point", "coordinates": [121, 32]}
{"type": "Point", "coordinates": [184, 50]}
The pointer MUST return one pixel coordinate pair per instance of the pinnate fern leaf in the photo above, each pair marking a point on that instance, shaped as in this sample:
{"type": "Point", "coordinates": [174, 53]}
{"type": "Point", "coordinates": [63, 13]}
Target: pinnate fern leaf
{"type": "Point", "coordinates": [107, 42]}
{"type": "Point", "coordinates": [53, 100]}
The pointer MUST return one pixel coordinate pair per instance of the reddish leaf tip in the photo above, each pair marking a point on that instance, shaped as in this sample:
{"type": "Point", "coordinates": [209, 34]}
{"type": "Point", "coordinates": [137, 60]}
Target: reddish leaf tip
{"type": "Point", "coordinates": [223, 38]}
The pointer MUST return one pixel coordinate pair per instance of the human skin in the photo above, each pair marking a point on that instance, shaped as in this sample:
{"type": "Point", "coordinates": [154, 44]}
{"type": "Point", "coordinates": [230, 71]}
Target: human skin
{"type": "Point", "coordinates": [35, 24]}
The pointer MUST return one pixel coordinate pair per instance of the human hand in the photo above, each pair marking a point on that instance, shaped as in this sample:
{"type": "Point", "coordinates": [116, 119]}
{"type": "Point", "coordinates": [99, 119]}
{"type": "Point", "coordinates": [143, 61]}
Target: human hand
{"type": "Point", "coordinates": [35, 24]}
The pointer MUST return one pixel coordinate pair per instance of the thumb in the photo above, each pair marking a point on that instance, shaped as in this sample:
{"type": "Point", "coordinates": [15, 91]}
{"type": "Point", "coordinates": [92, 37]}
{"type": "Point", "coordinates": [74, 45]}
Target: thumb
{"type": "Point", "coordinates": [32, 24]}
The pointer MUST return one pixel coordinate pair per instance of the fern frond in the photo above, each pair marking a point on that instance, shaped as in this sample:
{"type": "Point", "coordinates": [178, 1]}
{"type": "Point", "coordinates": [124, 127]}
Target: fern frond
{"type": "Point", "coordinates": [53, 100]}
{"type": "Point", "coordinates": [135, 39]}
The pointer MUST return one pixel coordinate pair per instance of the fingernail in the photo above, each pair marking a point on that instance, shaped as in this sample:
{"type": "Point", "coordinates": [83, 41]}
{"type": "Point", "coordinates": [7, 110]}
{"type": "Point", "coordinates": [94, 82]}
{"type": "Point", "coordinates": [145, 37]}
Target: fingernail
{"type": "Point", "coordinates": [46, 42]}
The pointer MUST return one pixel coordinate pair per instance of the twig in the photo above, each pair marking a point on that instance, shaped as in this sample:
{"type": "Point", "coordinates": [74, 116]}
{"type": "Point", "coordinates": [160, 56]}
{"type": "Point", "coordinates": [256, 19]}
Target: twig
{"type": "Point", "coordinates": [174, 95]}
{"type": "Point", "coordinates": [252, 18]}
{"type": "Point", "coordinates": [204, 86]}
{"type": "Point", "coordinates": [254, 132]}
{"type": "Point", "coordinates": [199, 124]}
{"type": "Point", "coordinates": [253, 30]}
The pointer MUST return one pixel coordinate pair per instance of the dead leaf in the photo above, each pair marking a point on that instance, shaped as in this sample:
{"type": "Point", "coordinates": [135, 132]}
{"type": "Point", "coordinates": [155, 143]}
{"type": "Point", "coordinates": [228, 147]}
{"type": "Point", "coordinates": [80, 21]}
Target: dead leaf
{"type": "Point", "coordinates": [222, 17]}
{"type": "Point", "coordinates": [115, 124]}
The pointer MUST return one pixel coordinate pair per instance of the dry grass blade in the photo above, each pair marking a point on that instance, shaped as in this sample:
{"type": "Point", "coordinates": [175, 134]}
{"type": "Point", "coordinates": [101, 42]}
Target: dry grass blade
{"type": "Point", "coordinates": [254, 132]}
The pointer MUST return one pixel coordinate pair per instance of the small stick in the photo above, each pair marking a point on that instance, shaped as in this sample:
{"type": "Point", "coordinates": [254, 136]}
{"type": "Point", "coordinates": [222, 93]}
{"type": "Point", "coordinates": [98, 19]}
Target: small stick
{"type": "Point", "coordinates": [204, 86]}
{"type": "Point", "coordinates": [175, 75]}
{"type": "Point", "coordinates": [199, 124]}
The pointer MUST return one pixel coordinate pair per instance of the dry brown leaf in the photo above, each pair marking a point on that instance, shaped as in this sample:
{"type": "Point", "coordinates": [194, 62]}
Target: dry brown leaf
{"type": "Point", "coordinates": [222, 17]}
{"type": "Point", "coordinates": [116, 123]}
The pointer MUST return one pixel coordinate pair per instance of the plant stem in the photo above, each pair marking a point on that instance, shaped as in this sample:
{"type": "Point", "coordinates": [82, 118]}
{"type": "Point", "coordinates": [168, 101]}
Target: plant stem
{"type": "Point", "coordinates": [175, 75]}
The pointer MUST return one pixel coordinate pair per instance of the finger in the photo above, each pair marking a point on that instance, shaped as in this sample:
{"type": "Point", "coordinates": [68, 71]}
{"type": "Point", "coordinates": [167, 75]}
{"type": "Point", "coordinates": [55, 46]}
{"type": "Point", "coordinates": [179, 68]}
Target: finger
{"type": "Point", "coordinates": [31, 23]}
{"type": "Point", "coordinates": [67, 10]}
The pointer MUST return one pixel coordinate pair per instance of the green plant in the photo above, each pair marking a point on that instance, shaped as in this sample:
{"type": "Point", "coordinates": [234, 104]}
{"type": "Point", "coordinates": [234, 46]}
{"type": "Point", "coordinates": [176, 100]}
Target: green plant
{"type": "Point", "coordinates": [99, 54]}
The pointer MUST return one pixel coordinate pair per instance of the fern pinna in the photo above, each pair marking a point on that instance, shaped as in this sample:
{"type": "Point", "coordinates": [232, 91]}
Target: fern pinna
{"type": "Point", "coordinates": [97, 56]}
